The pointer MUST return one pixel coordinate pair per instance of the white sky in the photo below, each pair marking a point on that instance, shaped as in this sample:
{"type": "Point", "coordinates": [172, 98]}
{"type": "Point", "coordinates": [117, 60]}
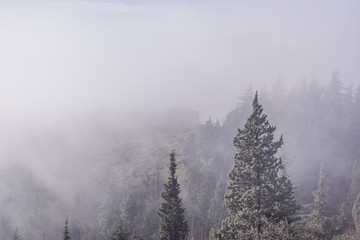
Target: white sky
{"type": "Point", "coordinates": [61, 57]}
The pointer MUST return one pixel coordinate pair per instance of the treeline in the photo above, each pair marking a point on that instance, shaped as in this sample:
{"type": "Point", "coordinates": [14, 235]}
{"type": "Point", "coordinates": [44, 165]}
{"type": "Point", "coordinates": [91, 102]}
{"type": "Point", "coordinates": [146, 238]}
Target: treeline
{"type": "Point", "coordinates": [321, 127]}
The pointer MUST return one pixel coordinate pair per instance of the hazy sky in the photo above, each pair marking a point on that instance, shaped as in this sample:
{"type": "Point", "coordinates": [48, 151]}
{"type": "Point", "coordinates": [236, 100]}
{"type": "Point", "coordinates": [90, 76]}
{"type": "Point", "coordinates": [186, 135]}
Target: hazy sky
{"type": "Point", "coordinates": [61, 57]}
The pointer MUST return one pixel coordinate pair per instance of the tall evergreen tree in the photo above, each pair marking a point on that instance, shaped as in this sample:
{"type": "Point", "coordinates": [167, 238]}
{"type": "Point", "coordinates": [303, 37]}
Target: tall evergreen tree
{"type": "Point", "coordinates": [118, 231]}
{"type": "Point", "coordinates": [216, 211]}
{"type": "Point", "coordinates": [345, 218]}
{"type": "Point", "coordinates": [256, 189]}
{"type": "Point", "coordinates": [66, 232]}
{"type": "Point", "coordinates": [320, 215]}
{"type": "Point", "coordinates": [205, 194]}
{"type": "Point", "coordinates": [172, 222]}
{"type": "Point", "coordinates": [130, 211]}
{"type": "Point", "coordinates": [109, 210]}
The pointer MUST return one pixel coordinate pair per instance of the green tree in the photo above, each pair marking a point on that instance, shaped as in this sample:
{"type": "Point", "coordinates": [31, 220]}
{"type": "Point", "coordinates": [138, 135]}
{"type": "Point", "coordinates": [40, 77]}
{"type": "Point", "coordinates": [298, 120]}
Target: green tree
{"type": "Point", "coordinates": [118, 231]}
{"type": "Point", "coordinates": [130, 211]}
{"type": "Point", "coordinates": [217, 211]}
{"type": "Point", "coordinates": [204, 195]}
{"type": "Point", "coordinates": [257, 189]}
{"type": "Point", "coordinates": [320, 215]}
{"type": "Point", "coordinates": [150, 223]}
{"type": "Point", "coordinates": [109, 210]}
{"type": "Point", "coordinates": [354, 190]}
{"type": "Point", "coordinates": [66, 232]}
{"type": "Point", "coordinates": [172, 222]}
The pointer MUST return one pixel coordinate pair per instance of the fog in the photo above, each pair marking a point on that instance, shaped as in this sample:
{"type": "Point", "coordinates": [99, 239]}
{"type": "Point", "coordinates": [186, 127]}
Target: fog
{"type": "Point", "coordinates": [61, 57]}
{"type": "Point", "coordinates": [87, 87]}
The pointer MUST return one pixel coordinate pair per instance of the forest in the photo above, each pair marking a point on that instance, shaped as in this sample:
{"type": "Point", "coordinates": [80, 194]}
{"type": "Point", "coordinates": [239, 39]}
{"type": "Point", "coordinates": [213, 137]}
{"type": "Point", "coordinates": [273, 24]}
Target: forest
{"type": "Point", "coordinates": [284, 164]}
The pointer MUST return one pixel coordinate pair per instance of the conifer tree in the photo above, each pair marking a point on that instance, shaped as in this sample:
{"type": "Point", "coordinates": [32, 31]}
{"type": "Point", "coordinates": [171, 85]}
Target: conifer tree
{"type": "Point", "coordinates": [149, 224]}
{"type": "Point", "coordinates": [172, 222]}
{"type": "Point", "coordinates": [320, 215]}
{"type": "Point", "coordinates": [66, 232]}
{"type": "Point", "coordinates": [204, 196]}
{"type": "Point", "coordinates": [109, 210]}
{"type": "Point", "coordinates": [130, 210]}
{"type": "Point", "coordinates": [354, 188]}
{"type": "Point", "coordinates": [118, 231]}
{"type": "Point", "coordinates": [217, 211]}
{"type": "Point", "coordinates": [256, 189]}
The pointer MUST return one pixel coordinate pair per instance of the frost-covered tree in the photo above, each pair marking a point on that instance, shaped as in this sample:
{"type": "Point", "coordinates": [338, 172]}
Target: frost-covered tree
{"type": "Point", "coordinates": [118, 231]}
{"type": "Point", "coordinates": [257, 189]}
{"type": "Point", "coordinates": [320, 215]}
{"type": "Point", "coordinates": [130, 209]}
{"type": "Point", "coordinates": [217, 211]}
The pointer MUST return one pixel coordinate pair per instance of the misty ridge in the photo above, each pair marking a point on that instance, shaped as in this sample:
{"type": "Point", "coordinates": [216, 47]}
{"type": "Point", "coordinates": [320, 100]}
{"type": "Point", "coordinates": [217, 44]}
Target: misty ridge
{"type": "Point", "coordinates": [179, 120]}
{"type": "Point", "coordinates": [96, 168]}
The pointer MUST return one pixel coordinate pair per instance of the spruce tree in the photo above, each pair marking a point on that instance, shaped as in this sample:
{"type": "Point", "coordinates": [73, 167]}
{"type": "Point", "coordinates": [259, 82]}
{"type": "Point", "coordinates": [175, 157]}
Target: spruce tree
{"type": "Point", "coordinates": [257, 190]}
{"type": "Point", "coordinates": [66, 232]}
{"type": "Point", "coordinates": [130, 209]}
{"type": "Point", "coordinates": [217, 211]}
{"type": "Point", "coordinates": [118, 231]}
{"type": "Point", "coordinates": [172, 222]}
{"type": "Point", "coordinates": [320, 215]}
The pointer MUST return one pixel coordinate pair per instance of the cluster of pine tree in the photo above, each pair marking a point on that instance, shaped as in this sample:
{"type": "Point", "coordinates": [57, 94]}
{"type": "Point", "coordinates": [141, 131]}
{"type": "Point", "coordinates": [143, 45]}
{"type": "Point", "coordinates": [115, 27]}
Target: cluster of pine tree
{"type": "Point", "coordinates": [257, 199]}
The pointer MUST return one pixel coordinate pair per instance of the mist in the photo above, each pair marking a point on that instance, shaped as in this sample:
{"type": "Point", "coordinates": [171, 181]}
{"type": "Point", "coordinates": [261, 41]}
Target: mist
{"type": "Point", "coordinates": [91, 91]}
{"type": "Point", "coordinates": [61, 57]}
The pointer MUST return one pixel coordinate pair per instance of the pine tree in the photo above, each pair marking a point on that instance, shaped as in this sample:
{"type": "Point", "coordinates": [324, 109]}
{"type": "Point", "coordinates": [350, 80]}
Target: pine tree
{"type": "Point", "coordinates": [344, 218]}
{"type": "Point", "coordinates": [216, 211]}
{"type": "Point", "coordinates": [320, 215]}
{"type": "Point", "coordinates": [109, 210]}
{"type": "Point", "coordinates": [118, 231]}
{"type": "Point", "coordinates": [149, 224]}
{"type": "Point", "coordinates": [204, 195]}
{"type": "Point", "coordinates": [172, 222]}
{"type": "Point", "coordinates": [354, 188]}
{"type": "Point", "coordinates": [256, 189]}
{"type": "Point", "coordinates": [130, 211]}
{"type": "Point", "coordinates": [66, 233]}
